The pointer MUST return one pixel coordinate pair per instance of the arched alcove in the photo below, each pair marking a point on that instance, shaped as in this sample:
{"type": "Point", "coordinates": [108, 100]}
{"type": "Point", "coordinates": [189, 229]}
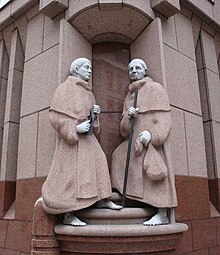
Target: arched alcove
{"type": "Point", "coordinates": [116, 23]}
{"type": "Point", "coordinates": [110, 84]}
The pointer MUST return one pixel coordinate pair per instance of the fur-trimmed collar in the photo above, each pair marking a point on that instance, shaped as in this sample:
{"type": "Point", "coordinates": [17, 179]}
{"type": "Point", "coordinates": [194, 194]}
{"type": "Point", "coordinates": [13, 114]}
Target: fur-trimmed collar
{"type": "Point", "coordinates": [137, 84]}
{"type": "Point", "coordinates": [79, 82]}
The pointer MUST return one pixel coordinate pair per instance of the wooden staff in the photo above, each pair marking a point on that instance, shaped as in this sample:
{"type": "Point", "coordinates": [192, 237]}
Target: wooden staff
{"type": "Point", "coordinates": [129, 150]}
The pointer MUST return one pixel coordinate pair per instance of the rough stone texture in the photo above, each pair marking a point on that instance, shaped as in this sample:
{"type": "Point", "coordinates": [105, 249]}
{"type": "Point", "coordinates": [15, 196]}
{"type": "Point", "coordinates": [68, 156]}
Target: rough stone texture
{"type": "Point", "coordinates": [3, 227]}
{"type": "Point", "coordinates": [214, 193]}
{"type": "Point", "coordinates": [112, 232]}
{"type": "Point", "coordinates": [178, 141]}
{"type": "Point", "coordinates": [217, 47]}
{"type": "Point", "coordinates": [20, 240]}
{"type": "Point", "coordinates": [7, 35]}
{"type": "Point", "coordinates": [213, 87]}
{"type": "Point", "coordinates": [185, 244]}
{"type": "Point", "coordinates": [26, 197]}
{"type": "Point", "coordinates": [186, 12]}
{"type": "Point", "coordinates": [39, 81]}
{"type": "Point", "coordinates": [209, 51]}
{"type": "Point", "coordinates": [5, 18]}
{"type": "Point", "coordinates": [205, 233]}
{"type": "Point", "coordinates": [196, 24]}
{"type": "Point", "coordinates": [7, 196]}
{"type": "Point", "coordinates": [13, 100]}
{"type": "Point", "coordinates": [216, 11]}
{"type": "Point", "coordinates": [169, 31]}
{"type": "Point", "coordinates": [99, 25]}
{"type": "Point", "coordinates": [51, 32]}
{"type": "Point", "coordinates": [27, 147]}
{"type": "Point", "coordinates": [9, 252]}
{"type": "Point", "coordinates": [205, 9]}
{"type": "Point", "coordinates": [34, 43]}
{"type": "Point", "coordinates": [45, 145]}
{"type": "Point", "coordinates": [9, 151]}
{"type": "Point", "coordinates": [43, 232]}
{"type": "Point", "coordinates": [33, 12]}
{"type": "Point", "coordinates": [12, 110]}
{"type": "Point", "coordinates": [21, 24]}
{"type": "Point", "coordinates": [149, 47]}
{"type": "Point", "coordinates": [122, 243]}
{"type": "Point", "coordinates": [110, 136]}
{"type": "Point", "coordinates": [18, 7]}
{"type": "Point", "coordinates": [216, 146]}
{"type": "Point", "coordinates": [183, 34]}
{"type": "Point", "coordinates": [208, 29]}
{"type": "Point", "coordinates": [204, 95]}
{"type": "Point", "coordinates": [3, 93]}
{"type": "Point", "coordinates": [110, 75]}
{"type": "Point", "coordinates": [195, 139]}
{"type": "Point", "coordinates": [188, 206]}
{"type": "Point", "coordinates": [16, 54]}
{"type": "Point", "coordinates": [182, 81]}
{"type": "Point", "coordinates": [166, 7]}
{"type": "Point", "coordinates": [210, 150]}
{"type": "Point", "coordinates": [72, 46]}
{"type": "Point", "coordinates": [53, 8]}
{"type": "Point", "coordinates": [142, 5]}
{"type": "Point", "coordinates": [77, 6]}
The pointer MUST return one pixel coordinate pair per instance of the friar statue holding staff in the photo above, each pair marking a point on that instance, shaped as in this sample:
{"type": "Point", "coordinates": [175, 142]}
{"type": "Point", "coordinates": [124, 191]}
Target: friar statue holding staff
{"type": "Point", "coordinates": [150, 178]}
{"type": "Point", "coordinates": [79, 174]}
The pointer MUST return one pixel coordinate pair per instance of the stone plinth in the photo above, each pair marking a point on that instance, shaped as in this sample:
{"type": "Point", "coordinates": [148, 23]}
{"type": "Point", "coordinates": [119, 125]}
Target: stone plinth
{"type": "Point", "coordinates": [119, 239]}
{"type": "Point", "coordinates": [107, 232]}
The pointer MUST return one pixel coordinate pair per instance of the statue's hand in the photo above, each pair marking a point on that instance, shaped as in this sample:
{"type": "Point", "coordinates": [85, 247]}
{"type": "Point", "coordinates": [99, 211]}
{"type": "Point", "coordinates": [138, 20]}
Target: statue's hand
{"type": "Point", "coordinates": [145, 137]}
{"type": "Point", "coordinates": [132, 112]}
{"type": "Point", "coordinates": [83, 127]}
{"type": "Point", "coordinates": [96, 109]}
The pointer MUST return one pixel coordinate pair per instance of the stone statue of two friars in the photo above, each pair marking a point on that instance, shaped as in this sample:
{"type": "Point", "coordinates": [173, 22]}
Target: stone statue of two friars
{"type": "Point", "coordinates": [141, 168]}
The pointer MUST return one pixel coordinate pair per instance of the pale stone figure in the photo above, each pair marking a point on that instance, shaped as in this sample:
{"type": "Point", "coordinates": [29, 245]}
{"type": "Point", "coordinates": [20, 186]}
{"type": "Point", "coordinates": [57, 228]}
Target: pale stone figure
{"type": "Point", "coordinates": [150, 175]}
{"type": "Point", "coordinates": [79, 175]}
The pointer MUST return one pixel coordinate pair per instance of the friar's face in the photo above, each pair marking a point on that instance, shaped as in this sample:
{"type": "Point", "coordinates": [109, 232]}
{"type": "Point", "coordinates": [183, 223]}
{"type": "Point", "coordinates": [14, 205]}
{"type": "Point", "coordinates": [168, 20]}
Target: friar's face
{"type": "Point", "coordinates": [84, 71]}
{"type": "Point", "coordinates": [136, 71]}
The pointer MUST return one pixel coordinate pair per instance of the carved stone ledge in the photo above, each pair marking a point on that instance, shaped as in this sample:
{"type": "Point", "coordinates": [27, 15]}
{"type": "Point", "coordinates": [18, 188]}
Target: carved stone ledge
{"type": "Point", "coordinates": [119, 239]}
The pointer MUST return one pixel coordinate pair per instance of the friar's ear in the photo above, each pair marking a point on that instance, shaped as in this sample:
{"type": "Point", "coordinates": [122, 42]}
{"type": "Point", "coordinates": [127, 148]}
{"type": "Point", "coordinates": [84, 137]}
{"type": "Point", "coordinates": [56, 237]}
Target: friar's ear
{"type": "Point", "coordinates": [76, 69]}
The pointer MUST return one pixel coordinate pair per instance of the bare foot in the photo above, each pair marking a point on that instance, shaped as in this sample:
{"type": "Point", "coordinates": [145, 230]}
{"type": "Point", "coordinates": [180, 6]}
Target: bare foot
{"type": "Point", "coordinates": [71, 219]}
{"type": "Point", "coordinates": [108, 204]}
{"type": "Point", "coordinates": [158, 219]}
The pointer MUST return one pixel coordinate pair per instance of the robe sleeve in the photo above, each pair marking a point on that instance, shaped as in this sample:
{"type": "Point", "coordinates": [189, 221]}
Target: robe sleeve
{"type": "Point", "coordinates": [65, 126]}
{"type": "Point", "coordinates": [125, 125]}
{"type": "Point", "coordinates": [161, 125]}
{"type": "Point", "coordinates": [96, 126]}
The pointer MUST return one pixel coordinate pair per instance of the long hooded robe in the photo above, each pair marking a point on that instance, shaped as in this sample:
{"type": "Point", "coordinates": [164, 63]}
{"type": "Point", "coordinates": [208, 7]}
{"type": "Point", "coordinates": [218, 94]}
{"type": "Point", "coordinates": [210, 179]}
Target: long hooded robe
{"type": "Point", "coordinates": [79, 174]}
{"type": "Point", "coordinates": [150, 175]}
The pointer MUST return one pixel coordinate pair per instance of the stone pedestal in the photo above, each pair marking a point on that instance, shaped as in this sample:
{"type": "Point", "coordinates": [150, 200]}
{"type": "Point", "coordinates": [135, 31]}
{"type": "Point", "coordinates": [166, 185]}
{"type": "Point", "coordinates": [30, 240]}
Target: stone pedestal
{"type": "Point", "coordinates": [44, 241]}
{"type": "Point", "coordinates": [107, 232]}
{"type": "Point", "coordinates": [119, 239]}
